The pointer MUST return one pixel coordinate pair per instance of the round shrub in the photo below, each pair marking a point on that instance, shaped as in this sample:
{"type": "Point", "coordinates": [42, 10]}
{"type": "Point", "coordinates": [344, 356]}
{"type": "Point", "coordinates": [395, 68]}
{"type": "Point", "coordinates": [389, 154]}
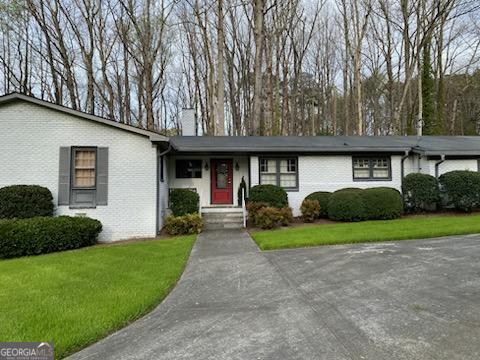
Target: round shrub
{"type": "Point", "coordinates": [382, 203]}
{"type": "Point", "coordinates": [40, 235]}
{"type": "Point", "coordinates": [184, 202]}
{"type": "Point", "coordinates": [286, 216]}
{"type": "Point", "coordinates": [420, 192]}
{"type": "Point", "coordinates": [310, 210]}
{"type": "Point", "coordinates": [268, 217]}
{"type": "Point", "coordinates": [323, 198]}
{"type": "Point", "coordinates": [253, 208]}
{"type": "Point", "coordinates": [183, 225]}
{"type": "Point", "coordinates": [462, 189]}
{"type": "Point", "coordinates": [353, 204]}
{"type": "Point", "coordinates": [346, 205]}
{"type": "Point", "coordinates": [273, 195]}
{"type": "Point", "coordinates": [25, 201]}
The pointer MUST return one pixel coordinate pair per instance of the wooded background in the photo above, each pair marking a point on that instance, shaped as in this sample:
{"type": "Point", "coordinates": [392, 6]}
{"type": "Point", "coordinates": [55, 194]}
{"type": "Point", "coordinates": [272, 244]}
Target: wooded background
{"type": "Point", "coordinates": [252, 67]}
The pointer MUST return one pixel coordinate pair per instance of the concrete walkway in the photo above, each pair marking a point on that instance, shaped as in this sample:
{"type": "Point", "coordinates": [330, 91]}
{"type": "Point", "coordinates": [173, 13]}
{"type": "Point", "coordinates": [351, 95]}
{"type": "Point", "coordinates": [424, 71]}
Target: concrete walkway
{"type": "Point", "coordinates": [405, 300]}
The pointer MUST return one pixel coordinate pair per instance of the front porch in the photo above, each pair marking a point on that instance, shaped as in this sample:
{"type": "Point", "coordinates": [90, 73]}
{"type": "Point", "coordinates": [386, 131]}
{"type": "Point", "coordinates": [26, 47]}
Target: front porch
{"type": "Point", "coordinates": [216, 179]}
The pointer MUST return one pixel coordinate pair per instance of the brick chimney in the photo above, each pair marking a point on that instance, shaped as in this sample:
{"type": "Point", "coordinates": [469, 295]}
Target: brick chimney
{"type": "Point", "coordinates": [188, 122]}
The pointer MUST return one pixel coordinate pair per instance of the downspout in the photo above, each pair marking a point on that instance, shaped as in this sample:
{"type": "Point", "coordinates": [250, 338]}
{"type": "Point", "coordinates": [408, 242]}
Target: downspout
{"type": "Point", "coordinates": [402, 166]}
{"type": "Point", "coordinates": [157, 205]}
{"type": "Point", "coordinates": [437, 164]}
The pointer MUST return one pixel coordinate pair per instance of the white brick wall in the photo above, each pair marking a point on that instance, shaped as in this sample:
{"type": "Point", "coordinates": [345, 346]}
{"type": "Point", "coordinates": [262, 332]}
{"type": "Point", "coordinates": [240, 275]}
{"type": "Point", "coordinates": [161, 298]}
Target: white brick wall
{"type": "Point", "coordinates": [425, 166]}
{"type": "Point", "coordinates": [163, 190]}
{"type": "Point", "coordinates": [327, 173]}
{"type": "Point", "coordinates": [450, 165]}
{"type": "Point", "coordinates": [30, 138]}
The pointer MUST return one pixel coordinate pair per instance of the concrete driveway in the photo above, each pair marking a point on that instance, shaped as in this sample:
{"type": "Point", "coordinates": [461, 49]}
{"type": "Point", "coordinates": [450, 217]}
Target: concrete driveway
{"type": "Point", "coordinates": [396, 300]}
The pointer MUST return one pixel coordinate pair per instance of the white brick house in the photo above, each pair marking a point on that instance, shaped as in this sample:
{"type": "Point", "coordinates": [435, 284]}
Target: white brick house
{"type": "Point", "coordinates": [121, 175]}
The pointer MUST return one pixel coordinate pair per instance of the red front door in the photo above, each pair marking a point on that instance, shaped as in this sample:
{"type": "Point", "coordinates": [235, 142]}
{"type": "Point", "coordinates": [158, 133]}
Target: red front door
{"type": "Point", "coordinates": [222, 181]}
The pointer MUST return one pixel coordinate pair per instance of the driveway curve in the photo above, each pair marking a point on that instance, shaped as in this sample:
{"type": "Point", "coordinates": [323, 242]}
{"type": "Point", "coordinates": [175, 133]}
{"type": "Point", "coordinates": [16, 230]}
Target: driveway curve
{"type": "Point", "coordinates": [398, 300]}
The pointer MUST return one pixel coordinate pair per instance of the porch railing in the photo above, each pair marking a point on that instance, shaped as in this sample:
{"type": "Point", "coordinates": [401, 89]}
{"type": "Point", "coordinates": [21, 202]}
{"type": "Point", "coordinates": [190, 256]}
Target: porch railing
{"type": "Point", "coordinates": [199, 205]}
{"type": "Point", "coordinates": [244, 208]}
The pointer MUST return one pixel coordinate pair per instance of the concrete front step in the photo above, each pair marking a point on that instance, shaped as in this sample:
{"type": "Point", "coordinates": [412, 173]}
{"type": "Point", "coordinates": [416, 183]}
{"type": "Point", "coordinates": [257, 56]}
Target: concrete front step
{"type": "Point", "coordinates": [221, 209]}
{"type": "Point", "coordinates": [219, 226]}
{"type": "Point", "coordinates": [216, 216]}
{"type": "Point", "coordinates": [222, 218]}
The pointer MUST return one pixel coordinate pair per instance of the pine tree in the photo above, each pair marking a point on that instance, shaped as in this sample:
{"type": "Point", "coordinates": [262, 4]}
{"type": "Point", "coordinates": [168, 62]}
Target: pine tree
{"type": "Point", "coordinates": [430, 119]}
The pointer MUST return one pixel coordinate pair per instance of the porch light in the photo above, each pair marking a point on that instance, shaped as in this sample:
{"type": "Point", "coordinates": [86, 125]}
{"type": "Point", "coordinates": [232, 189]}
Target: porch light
{"type": "Point", "coordinates": [206, 166]}
{"type": "Point", "coordinates": [237, 167]}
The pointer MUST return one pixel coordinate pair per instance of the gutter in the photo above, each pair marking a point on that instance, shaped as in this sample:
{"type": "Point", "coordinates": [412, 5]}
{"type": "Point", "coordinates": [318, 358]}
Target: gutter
{"type": "Point", "coordinates": [402, 166]}
{"type": "Point", "coordinates": [157, 205]}
{"type": "Point", "coordinates": [437, 164]}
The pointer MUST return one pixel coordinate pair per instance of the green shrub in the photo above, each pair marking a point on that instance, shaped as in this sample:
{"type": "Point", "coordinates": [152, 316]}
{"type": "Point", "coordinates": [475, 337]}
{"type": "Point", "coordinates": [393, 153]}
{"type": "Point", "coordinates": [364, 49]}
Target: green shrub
{"type": "Point", "coordinates": [268, 217]}
{"type": "Point", "coordinates": [346, 205]}
{"type": "Point", "coordinates": [382, 203]}
{"type": "Point", "coordinates": [273, 195]}
{"type": "Point", "coordinates": [25, 201]}
{"type": "Point", "coordinates": [310, 210]}
{"type": "Point", "coordinates": [353, 204]}
{"type": "Point", "coordinates": [184, 202]}
{"type": "Point", "coordinates": [420, 192]}
{"type": "Point", "coordinates": [462, 189]}
{"type": "Point", "coordinates": [183, 225]}
{"type": "Point", "coordinates": [323, 198]}
{"type": "Point", "coordinates": [40, 235]}
{"type": "Point", "coordinates": [286, 216]}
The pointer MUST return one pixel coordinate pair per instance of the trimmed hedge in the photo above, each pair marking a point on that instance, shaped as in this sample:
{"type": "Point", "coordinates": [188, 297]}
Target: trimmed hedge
{"type": "Point", "coordinates": [322, 197]}
{"type": "Point", "coordinates": [365, 204]}
{"type": "Point", "coordinates": [420, 192]}
{"type": "Point", "coordinates": [382, 203]}
{"type": "Point", "coordinates": [41, 235]}
{"type": "Point", "coordinates": [462, 189]}
{"type": "Point", "coordinates": [346, 205]}
{"type": "Point", "coordinates": [272, 195]}
{"type": "Point", "coordinates": [184, 202]}
{"type": "Point", "coordinates": [25, 201]}
{"type": "Point", "coordinates": [183, 225]}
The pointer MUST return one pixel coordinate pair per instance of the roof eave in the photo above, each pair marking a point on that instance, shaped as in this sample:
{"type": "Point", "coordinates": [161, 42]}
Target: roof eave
{"type": "Point", "coordinates": [187, 149]}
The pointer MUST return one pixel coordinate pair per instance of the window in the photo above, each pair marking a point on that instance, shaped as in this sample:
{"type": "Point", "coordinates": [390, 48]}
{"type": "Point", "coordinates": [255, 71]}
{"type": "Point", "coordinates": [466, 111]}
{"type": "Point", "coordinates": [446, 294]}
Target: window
{"type": "Point", "coordinates": [83, 176]}
{"type": "Point", "coordinates": [372, 168]}
{"type": "Point", "coordinates": [280, 172]}
{"type": "Point", "coordinates": [84, 168]}
{"type": "Point", "coordinates": [186, 169]}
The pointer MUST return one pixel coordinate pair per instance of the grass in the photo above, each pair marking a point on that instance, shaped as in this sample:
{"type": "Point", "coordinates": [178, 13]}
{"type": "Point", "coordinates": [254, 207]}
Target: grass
{"type": "Point", "coordinates": [420, 227]}
{"type": "Point", "coordinates": [77, 297]}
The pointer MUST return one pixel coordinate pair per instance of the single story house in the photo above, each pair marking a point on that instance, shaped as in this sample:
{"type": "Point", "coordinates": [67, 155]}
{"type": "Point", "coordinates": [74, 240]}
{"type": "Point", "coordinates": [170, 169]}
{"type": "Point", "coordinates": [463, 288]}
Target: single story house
{"type": "Point", "coordinates": [122, 175]}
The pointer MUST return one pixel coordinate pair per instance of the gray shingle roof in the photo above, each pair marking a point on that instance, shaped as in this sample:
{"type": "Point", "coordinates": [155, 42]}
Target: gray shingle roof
{"type": "Point", "coordinates": [426, 145]}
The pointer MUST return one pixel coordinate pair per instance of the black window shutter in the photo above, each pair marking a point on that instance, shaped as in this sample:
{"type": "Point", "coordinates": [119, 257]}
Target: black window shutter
{"type": "Point", "coordinates": [64, 176]}
{"type": "Point", "coordinates": [102, 176]}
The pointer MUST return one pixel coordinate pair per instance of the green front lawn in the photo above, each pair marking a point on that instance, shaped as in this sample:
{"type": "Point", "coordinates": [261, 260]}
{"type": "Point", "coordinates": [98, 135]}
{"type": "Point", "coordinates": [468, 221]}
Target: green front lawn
{"type": "Point", "coordinates": [76, 297]}
{"type": "Point", "coordinates": [368, 231]}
